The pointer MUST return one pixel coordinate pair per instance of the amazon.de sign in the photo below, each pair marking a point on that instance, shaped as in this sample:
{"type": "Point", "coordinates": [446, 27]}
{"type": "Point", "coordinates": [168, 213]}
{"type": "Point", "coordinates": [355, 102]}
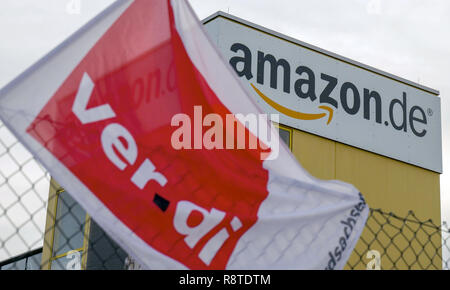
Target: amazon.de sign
{"type": "Point", "coordinates": [331, 96]}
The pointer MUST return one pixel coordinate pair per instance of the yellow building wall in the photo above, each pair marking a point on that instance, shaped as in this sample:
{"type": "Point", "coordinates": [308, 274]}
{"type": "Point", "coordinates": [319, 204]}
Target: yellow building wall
{"type": "Point", "coordinates": [386, 184]}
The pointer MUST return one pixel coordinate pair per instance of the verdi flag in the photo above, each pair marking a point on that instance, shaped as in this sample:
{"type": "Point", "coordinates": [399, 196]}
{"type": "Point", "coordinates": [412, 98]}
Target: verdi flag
{"type": "Point", "coordinates": [139, 118]}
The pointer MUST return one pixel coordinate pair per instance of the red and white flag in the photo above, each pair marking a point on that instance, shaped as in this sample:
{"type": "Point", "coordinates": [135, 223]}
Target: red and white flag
{"type": "Point", "coordinates": [102, 113]}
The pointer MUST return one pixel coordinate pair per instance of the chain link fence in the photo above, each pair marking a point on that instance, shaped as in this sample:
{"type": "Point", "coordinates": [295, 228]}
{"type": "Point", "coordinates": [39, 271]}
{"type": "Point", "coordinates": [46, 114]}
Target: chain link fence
{"type": "Point", "coordinates": [24, 188]}
{"type": "Point", "coordinates": [42, 227]}
{"type": "Point", "coordinates": [391, 242]}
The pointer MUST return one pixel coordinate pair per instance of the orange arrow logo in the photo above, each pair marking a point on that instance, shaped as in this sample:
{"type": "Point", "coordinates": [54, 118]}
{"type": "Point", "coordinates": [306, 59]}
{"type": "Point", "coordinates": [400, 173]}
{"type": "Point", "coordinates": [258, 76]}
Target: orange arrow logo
{"type": "Point", "coordinates": [295, 114]}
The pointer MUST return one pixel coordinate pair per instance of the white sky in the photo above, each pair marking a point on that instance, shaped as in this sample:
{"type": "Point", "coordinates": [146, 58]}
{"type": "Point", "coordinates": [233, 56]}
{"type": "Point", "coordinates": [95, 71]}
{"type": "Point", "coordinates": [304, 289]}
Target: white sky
{"type": "Point", "coordinates": [408, 38]}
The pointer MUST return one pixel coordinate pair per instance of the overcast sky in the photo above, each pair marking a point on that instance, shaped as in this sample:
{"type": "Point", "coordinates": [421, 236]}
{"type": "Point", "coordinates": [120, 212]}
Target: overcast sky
{"type": "Point", "coordinates": [408, 38]}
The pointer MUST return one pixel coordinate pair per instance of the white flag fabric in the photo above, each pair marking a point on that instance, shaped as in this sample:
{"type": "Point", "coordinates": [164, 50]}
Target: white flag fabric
{"type": "Point", "coordinates": [132, 116]}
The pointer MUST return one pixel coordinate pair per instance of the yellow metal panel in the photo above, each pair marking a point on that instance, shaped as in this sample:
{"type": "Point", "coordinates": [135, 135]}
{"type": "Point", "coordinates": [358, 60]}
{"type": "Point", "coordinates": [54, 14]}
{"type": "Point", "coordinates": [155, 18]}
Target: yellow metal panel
{"type": "Point", "coordinates": [386, 183]}
{"type": "Point", "coordinates": [316, 154]}
{"type": "Point", "coordinates": [390, 184]}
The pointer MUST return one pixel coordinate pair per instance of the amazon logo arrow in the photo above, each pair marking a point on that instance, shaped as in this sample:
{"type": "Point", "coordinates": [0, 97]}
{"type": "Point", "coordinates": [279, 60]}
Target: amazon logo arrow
{"type": "Point", "coordinates": [295, 114]}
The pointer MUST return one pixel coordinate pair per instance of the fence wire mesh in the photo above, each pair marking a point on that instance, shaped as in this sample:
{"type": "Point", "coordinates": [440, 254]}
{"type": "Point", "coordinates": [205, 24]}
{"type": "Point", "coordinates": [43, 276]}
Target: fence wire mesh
{"type": "Point", "coordinates": [42, 227]}
{"type": "Point", "coordinates": [391, 242]}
